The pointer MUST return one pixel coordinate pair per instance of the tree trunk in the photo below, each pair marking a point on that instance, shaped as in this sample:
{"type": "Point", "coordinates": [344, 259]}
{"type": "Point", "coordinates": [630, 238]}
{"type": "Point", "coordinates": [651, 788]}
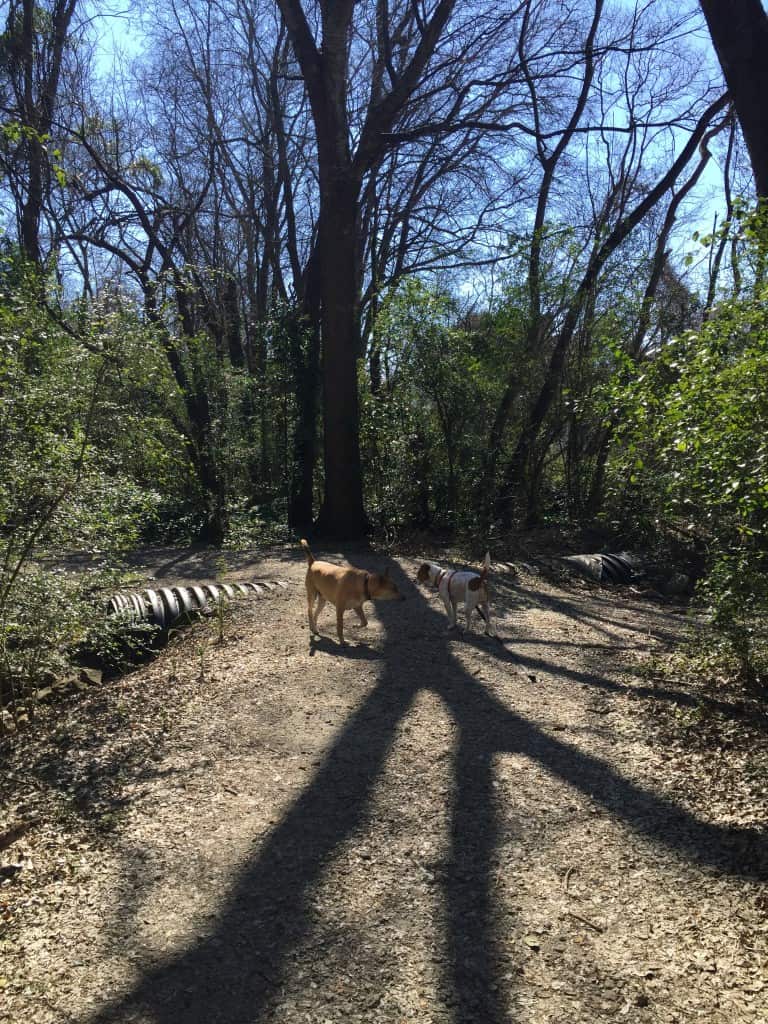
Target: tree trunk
{"type": "Point", "coordinates": [306, 368]}
{"type": "Point", "coordinates": [39, 71]}
{"type": "Point", "coordinates": [213, 527]}
{"type": "Point", "coordinates": [325, 69]}
{"type": "Point", "coordinates": [342, 513]}
{"type": "Point", "coordinates": [596, 494]}
{"type": "Point", "coordinates": [198, 429]}
{"type": "Point", "coordinates": [739, 32]}
{"type": "Point", "coordinates": [487, 489]}
{"type": "Point", "coordinates": [301, 502]}
{"type": "Point", "coordinates": [33, 207]}
{"type": "Point", "coordinates": [517, 475]}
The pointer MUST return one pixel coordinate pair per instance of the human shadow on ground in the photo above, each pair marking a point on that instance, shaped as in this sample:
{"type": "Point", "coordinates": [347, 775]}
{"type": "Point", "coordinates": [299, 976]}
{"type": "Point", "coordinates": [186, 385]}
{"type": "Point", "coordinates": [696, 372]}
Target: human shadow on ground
{"type": "Point", "coordinates": [234, 974]}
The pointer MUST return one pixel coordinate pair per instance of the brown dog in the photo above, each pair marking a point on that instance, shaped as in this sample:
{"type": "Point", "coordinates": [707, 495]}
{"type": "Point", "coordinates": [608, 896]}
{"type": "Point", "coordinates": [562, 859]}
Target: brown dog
{"type": "Point", "coordinates": [344, 587]}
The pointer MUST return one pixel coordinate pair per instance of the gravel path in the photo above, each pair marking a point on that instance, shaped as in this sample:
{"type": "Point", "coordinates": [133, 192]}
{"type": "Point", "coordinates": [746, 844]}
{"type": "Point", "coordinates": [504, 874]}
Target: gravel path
{"type": "Point", "coordinates": [416, 828]}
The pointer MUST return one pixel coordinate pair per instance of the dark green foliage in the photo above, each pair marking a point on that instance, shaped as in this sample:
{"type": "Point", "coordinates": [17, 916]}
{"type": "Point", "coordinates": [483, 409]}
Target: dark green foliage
{"type": "Point", "coordinates": [691, 462]}
{"type": "Point", "coordinates": [80, 461]}
{"type": "Point", "coordinates": [423, 426]}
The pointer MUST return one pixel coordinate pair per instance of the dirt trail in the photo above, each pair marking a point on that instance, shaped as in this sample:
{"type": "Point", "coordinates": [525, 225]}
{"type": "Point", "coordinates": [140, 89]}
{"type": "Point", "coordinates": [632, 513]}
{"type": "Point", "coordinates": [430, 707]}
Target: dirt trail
{"type": "Point", "coordinates": [418, 827]}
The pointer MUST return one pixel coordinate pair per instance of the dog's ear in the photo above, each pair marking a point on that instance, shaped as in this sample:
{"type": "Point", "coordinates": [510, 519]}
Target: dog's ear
{"type": "Point", "coordinates": [423, 572]}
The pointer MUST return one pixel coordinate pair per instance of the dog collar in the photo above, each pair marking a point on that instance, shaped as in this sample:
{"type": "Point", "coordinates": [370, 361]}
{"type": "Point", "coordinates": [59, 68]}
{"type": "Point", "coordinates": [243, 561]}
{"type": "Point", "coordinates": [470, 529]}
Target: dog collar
{"type": "Point", "coordinates": [439, 580]}
{"type": "Point", "coordinates": [366, 591]}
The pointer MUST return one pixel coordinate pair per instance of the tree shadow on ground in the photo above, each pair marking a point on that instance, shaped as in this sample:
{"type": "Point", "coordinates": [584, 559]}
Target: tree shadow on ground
{"type": "Point", "coordinates": [505, 651]}
{"type": "Point", "coordinates": [600, 616]}
{"type": "Point", "coordinates": [356, 650]}
{"type": "Point", "coordinates": [235, 973]}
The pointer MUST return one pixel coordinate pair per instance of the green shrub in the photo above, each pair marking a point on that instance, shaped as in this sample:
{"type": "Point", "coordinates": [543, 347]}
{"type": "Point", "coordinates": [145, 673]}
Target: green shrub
{"type": "Point", "coordinates": [692, 462]}
{"type": "Point", "coordinates": [64, 483]}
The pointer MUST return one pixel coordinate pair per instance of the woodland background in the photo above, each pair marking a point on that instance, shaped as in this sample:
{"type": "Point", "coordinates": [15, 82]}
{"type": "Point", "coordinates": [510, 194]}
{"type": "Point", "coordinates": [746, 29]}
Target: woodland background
{"type": "Point", "coordinates": [269, 268]}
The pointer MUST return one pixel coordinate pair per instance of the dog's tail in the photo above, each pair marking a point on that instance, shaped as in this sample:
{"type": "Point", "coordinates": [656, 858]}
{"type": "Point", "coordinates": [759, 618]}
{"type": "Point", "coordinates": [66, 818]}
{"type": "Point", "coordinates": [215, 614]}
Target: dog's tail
{"type": "Point", "coordinates": [310, 556]}
{"type": "Point", "coordinates": [482, 577]}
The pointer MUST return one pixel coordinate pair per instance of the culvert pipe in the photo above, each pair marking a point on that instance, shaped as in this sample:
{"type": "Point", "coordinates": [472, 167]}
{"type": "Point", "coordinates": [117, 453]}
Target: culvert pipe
{"type": "Point", "coordinates": [605, 568]}
{"type": "Point", "coordinates": [167, 605]}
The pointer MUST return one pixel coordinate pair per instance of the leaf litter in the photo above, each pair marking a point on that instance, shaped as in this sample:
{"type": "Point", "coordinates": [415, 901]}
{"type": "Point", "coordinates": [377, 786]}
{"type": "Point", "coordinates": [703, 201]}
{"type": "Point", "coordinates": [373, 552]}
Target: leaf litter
{"type": "Point", "coordinates": [439, 816]}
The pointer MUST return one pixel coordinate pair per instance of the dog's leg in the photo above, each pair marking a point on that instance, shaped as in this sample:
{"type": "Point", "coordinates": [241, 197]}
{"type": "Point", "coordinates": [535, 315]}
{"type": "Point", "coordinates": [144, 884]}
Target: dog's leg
{"type": "Point", "coordinates": [311, 594]}
{"type": "Point", "coordinates": [321, 602]}
{"type": "Point", "coordinates": [470, 603]}
{"type": "Point", "coordinates": [361, 615]}
{"type": "Point", "coordinates": [449, 611]}
{"type": "Point", "coordinates": [340, 623]}
{"type": "Point", "coordinates": [485, 610]}
{"type": "Point", "coordinates": [491, 624]}
{"type": "Point", "coordinates": [468, 609]}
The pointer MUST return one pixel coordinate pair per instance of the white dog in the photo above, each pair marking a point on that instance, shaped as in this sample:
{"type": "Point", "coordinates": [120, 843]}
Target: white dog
{"type": "Point", "coordinates": [455, 587]}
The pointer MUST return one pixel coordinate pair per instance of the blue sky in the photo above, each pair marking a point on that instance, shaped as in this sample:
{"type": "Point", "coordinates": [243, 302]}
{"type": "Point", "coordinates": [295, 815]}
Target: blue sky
{"type": "Point", "coordinates": [119, 31]}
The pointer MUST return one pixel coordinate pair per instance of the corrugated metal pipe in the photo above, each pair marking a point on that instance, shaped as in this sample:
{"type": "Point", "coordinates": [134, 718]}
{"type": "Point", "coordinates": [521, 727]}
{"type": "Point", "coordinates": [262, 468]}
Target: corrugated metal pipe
{"type": "Point", "coordinates": [166, 605]}
{"type": "Point", "coordinates": [619, 568]}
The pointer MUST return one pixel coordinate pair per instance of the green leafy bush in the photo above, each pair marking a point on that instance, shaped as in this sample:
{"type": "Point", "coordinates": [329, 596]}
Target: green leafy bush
{"type": "Point", "coordinates": [421, 423]}
{"type": "Point", "coordinates": [65, 482]}
{"type": "Point", "coordinates": [692, 462]}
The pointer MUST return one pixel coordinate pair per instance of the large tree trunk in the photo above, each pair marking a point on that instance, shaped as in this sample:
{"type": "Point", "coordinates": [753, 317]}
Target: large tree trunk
{"type": "Point", "coordinates": [213, 527]}
{"type": "Point", "coordinates": [325, 68]}
{"type": "Point", "coordinates": [342, 513]}
{"type": "Point", "coordinates": [739, 31]}
{"type": "Point", "coordinates": [325, 73]}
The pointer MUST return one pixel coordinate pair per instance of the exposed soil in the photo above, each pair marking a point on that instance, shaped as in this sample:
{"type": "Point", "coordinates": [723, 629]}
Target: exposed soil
{"type": "Point", "coordinates": [417, 827]}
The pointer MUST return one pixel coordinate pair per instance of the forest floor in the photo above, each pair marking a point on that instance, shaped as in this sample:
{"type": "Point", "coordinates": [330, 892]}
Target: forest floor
{"type": "Point", "coordinates": [419, 827]}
